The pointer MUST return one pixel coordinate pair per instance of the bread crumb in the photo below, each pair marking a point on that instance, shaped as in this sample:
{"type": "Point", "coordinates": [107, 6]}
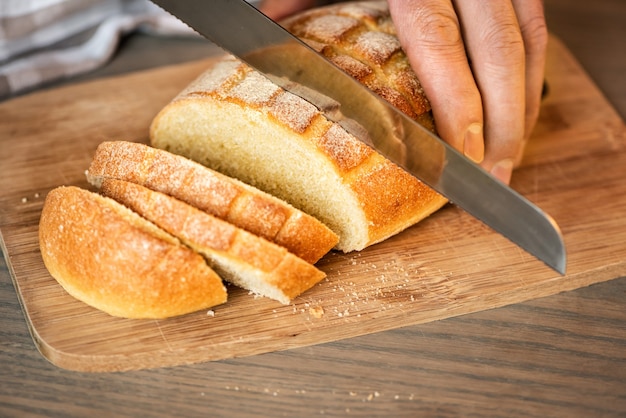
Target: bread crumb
{"type": "Point", "coordinates": [210, 313]}
{"type": "Point", "coordinates": [316, 312]}
{"type": "Point", "coordinates": [24, 199]}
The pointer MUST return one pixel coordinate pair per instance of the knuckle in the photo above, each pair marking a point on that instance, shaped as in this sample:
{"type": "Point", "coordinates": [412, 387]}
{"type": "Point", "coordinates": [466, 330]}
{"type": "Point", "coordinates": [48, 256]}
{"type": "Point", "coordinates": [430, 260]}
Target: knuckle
{"type": "Point", "coordinates": [535, 35]}
{"type": "Point", "coordinates": [437, 26]}
{"type": "Point", "coordinates": [504, 43]}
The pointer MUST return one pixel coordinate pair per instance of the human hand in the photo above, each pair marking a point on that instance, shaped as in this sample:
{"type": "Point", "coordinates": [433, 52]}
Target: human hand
{"type": "Point", "coordinates": [481, 64]}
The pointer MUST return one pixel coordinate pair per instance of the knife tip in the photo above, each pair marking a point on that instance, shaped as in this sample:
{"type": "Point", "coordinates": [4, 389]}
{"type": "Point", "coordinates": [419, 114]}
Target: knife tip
{"type": "Point", "coordinates": [561, 265]}
{"type": "Point", "coordinates": [558, 255]}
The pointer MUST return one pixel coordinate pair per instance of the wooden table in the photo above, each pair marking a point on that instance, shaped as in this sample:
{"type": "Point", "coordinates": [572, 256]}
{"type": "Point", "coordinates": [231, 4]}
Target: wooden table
{"type": "Point", "coordinates": [563, 355]}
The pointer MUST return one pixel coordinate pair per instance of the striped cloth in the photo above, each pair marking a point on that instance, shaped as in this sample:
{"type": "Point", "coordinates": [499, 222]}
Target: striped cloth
{"type": "Point", "coordinates": [46, 40]}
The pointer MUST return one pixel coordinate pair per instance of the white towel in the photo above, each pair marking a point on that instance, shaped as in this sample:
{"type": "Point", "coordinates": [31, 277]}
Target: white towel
{"type": "Point", "coordinates": [46, 40]}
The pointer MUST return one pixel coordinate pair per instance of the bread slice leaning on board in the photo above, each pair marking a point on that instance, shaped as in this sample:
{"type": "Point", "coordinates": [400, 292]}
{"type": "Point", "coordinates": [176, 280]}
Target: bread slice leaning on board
{"type": "Point", "coordinates": [238, 122]}
{"type": "Point", "coordinates": [238, 256]}
{"type": "Point", "coordinates": [109, 257]}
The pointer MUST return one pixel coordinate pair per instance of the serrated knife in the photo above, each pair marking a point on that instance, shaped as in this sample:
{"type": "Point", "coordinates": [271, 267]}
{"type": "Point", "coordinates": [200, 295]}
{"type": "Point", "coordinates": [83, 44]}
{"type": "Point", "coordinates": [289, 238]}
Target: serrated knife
{"type": "Point", "coordinates": [242, 30]}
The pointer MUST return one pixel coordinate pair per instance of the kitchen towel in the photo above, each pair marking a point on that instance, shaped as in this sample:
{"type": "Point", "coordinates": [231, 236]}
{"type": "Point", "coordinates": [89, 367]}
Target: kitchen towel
{"type": "Point", "coordinates": [46, 40]}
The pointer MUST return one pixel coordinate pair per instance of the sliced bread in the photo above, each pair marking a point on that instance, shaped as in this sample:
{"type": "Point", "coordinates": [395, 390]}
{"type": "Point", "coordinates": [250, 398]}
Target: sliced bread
{"type": "Point", "coordinates": [238, 256]}
{"type": "Point", "coordinates": [214, 193]}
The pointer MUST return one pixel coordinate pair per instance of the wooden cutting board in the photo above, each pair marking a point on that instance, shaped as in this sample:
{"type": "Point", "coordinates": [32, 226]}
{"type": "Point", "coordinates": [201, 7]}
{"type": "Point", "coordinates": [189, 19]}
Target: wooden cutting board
{"type": "Point", "coordinates": [449, 264]}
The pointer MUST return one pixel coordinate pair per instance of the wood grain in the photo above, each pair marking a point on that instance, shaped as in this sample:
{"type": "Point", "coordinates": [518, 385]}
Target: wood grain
{"type": "Point", "coordinates": [448, 265]}
{"type": "Point", "coordinates": [560, 356]}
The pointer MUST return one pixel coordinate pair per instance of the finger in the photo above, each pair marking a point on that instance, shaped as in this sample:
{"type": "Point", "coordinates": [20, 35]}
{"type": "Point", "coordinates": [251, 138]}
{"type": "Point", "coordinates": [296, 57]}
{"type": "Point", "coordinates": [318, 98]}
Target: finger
{"type": "Point", "coordinates": [530, 15]}
{"type": "Point", "coordinates": [278, 9]}
{"type": "Point", "coordinates": [496, 49]}
{"type": "Point", "coordinates": [430, 34]}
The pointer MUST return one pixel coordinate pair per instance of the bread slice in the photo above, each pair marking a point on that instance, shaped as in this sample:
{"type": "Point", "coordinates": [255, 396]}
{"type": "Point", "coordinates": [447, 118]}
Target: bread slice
{"type": "Point", "coordinates": [114, 260]}
{"type": "Point", "coordinates": [214, 193]}
{"type": "Point", "coordinates": [237, 122]}
{"type": "Point", "coordinates": [238, 256]}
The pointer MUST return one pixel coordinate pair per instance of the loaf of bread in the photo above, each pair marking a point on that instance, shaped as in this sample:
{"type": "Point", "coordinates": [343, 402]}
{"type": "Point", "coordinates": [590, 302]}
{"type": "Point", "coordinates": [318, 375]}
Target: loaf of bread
{"type": "Point", "coordinates": [214, 193]}
{"type": "Point", "coordinates": [238, 256]}
{"type": "Point", "coordinates": [114, 260]}
{"type": "Point", "coordinates": [237, 122]}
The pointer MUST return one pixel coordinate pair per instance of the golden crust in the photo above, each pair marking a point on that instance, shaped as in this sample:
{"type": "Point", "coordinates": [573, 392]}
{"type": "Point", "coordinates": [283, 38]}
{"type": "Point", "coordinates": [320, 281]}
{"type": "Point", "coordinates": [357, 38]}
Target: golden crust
{"type": "Point", "coordinates": [112, 259]}
{"type": "Point", "coordinates": [214, 193]}
{"type": "Point", "coordinates": [238, 256]}
{"type": "Point", "coordinates": [388, 193]}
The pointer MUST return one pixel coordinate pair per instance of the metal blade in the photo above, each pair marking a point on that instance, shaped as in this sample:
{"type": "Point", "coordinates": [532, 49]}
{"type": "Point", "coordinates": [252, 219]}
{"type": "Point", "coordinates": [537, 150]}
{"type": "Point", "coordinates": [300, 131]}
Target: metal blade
{"type": "Point", "coordinates": [243, 31]}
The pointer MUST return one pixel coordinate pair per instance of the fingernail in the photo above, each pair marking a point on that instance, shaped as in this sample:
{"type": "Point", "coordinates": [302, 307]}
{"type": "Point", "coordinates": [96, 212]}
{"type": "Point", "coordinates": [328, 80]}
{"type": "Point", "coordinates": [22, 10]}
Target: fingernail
{"type": "Point", "coordinates": [503, 170]}
{"type": "Point", "coordinates": [474, 145]}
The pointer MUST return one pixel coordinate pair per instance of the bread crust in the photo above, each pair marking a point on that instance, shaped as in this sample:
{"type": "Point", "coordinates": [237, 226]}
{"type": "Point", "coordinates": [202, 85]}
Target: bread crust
{"type": "Point", "coordinates": [238, 256]}
{"type": "Point", "coordinates": [360, 38]}
{"type": "Point", "coordinates": [231, 100]}
{"type": "Point", "coordinates": [214, 193]}
{"type": "Point", "coordinates": [112, 259]}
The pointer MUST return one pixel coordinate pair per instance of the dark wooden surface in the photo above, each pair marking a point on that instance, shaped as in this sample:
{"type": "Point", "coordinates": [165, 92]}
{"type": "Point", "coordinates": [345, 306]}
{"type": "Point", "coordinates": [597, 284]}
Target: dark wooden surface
{"type": "Point", "coordinates": [563, 355]}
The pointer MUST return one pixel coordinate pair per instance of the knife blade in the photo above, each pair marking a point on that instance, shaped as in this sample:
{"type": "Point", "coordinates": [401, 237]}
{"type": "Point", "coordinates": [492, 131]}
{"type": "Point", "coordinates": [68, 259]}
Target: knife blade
{"type": "Point", "coordinates": [242, 30]}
